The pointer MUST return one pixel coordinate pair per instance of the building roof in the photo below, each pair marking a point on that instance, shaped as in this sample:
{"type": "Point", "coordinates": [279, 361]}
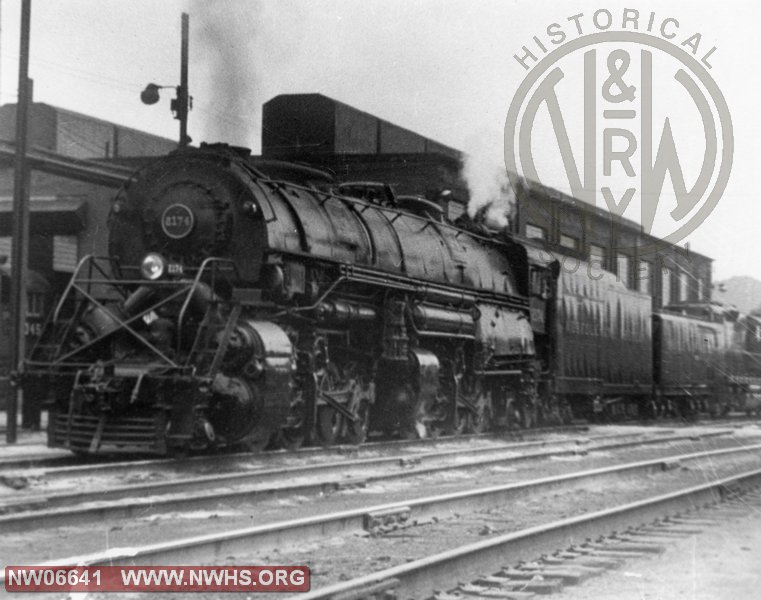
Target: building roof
{"type": "Point", "coordinates": [77, 135]}
{"type": "Point", "coordinates": [313, 124]}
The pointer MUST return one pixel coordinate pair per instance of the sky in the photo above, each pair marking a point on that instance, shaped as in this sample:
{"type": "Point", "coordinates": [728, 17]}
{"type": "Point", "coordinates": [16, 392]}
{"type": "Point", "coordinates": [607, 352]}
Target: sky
{"type": "Point", "coordinates": [443, 68]}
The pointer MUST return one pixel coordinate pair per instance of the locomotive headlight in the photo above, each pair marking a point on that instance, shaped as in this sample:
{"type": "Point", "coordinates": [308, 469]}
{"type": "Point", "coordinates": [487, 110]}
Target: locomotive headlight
{"type": "Point", "coordinates": [153, 267]}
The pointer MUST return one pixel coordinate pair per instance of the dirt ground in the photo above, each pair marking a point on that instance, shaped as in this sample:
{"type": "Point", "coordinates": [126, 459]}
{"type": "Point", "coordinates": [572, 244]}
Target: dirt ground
{"type": "Point", "coordinates": [722, 563]}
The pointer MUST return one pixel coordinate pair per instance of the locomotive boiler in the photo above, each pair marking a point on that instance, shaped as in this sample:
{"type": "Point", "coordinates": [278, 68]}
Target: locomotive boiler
{"type": "Point", "coordinates": [238, 308]}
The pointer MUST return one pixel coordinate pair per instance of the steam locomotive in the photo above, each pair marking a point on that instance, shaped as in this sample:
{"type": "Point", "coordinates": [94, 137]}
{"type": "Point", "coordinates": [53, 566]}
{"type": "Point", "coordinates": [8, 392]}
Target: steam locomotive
{"type": "Point", "coordinates": [242, 307]}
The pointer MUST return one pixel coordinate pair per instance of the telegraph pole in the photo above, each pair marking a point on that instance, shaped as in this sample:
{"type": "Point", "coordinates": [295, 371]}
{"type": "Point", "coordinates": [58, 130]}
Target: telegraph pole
{"type": "Point", "coordinates": [20, 246]}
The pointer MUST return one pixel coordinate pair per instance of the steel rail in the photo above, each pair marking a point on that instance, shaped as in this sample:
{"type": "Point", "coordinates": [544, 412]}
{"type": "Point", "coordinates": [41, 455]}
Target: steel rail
{"type": "Point", "coordinates": [211, 547]}
{"type": "Point", "coordinates": [72, 508]}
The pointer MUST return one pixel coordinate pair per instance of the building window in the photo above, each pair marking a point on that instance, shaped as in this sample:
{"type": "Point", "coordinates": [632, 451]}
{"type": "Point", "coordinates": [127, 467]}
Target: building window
{"type": "Point", "coordinates": [665, 287]}
{"type": "Point", "coordinates": [534, 232]}
{"type": "Point", "coordinates": [35, 304]}
{"type": "Point", "coordinates": [684, 286]}
{"type": "Point", "coordinates": [65, 253]}
{"type": "Point", "coordinates": [569, 242]}
{"type": "Point", "coordinates": [622, 264]}
{"type": "Point", "coordinates": [644, 277]}
{"type": "Point", "coordinates": [597, 256]}
{"type": "Point", "coordinates": [5, 248]}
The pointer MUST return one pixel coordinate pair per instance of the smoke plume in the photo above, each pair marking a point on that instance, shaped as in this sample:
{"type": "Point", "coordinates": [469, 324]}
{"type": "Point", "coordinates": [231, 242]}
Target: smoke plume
{"type": "Point", "coordinates": [225, 44]}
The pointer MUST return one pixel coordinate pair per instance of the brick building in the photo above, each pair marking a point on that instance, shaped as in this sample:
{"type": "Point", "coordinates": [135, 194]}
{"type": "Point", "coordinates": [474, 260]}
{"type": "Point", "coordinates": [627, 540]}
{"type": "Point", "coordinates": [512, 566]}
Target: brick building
{"type": "Point", "coordinates": [70, 196]}
{"type": "Point", "coordinates": [68, 207]}
{"type": "Point", "coordinates": [669, 273]}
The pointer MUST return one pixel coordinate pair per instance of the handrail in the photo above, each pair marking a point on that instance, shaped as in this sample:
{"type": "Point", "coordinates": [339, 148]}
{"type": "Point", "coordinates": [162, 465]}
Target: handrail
{"type": "Point", "coordinates": [92, 270]}
{"type": "Point", "coordinates": [89, 260]}
{"type": "Point", "coordinates": [125, 325]}
{"type": "Point", "coordinates": [194, 287]}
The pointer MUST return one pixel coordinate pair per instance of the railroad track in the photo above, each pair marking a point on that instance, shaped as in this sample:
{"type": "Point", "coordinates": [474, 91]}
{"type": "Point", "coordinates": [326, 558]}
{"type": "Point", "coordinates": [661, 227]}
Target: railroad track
{"type": "Point", "coordinates": [26, 468]}
{"type": "Point", "coordinates": [541, 560]}
{"type": "Point", "coordinates": [70, 463]}
{"type": "Point", "coordinates": [250, 463]}
{"type": "Point", "coordinates": [277, 481]}
{"type": "Point", "coordinates": [385, 518]}
{"type": "Point", "coordinates": [61, 459]}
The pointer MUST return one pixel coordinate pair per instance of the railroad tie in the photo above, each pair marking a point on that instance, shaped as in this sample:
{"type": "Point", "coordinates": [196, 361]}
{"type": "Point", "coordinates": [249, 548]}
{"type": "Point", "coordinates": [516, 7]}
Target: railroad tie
{"type": "Point", "coordinates": [693, 521]}
{"type": "Point", "coordinates": [581, 561]}
{"type": "Point", "coordinates": [476, 592]}
{"type": "Point", "coordinates": [594, 567]}
{"type": "Point", "coordinates": [586, 569]}
{"type": "Point", "coordinates": [734, 502]}
{"type": "Point", "coordinates": [524, 581]}
{"type": "Point", "coordinates": [654, 539]}
{"type": "Point", "coordinates": [627, 546]}
{"type": "Point", "coordinates": [499, 582]}
{"type": "Point", "coordinates": [447, 596]}
{"type": "Point", "coordinates": [568, 575]}
{"type": "Point", "coordinates": [667, 531]}
{"type": "Point", "coordinates": [506, 591]}
{"type": "Point", "coordinates": [610, 553]}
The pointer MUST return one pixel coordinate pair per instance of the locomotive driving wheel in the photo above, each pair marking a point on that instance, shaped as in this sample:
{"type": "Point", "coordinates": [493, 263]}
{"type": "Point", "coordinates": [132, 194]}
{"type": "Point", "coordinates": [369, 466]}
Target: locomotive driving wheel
{"type": "Point", "coordinates": [362, 396]}
{"type": "Point", "coordinates": [462, 417]}
{"type": "Point", "coordinates": [294, 433]}
{"type": "Point", "coordinates": [415, 423]}
{"type": "Point", "coordinates": [329, 420]}
{"type": "Point", "coordinates": [482, 417]}
{"type": "Point", "coordinates": [454, 413]}
{"type": "Point", "coordinates": [357, 430]}
{"type": "Point", "coordinates": [527, 417]}
{"type": "Point", "coordinates": [349, 421]}
{"type": "Point", "coordinates": [298, 424]}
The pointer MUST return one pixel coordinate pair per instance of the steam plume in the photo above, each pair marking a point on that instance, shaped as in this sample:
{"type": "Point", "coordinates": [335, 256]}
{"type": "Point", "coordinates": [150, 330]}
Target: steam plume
{"type": "Point", "coordinates": [491, 197]}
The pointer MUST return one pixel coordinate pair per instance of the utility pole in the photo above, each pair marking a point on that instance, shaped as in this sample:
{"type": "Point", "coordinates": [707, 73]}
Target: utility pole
{"type": "Point", "coordinates": [183, 99]}
{"type": "Point", "coordinates": [20, 246]}
{"type": "Point", "coordinates": [1, 36]}
{"type": "Point", "coordinates": [180, 105]}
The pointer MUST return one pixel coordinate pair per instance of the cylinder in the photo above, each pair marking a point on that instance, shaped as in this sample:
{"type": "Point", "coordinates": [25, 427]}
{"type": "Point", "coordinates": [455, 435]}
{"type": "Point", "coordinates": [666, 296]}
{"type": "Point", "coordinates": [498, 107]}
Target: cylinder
{"type": "Point", "coordinates": [434, 318]}
{"type": "Point", "coordinates": [454, 297]}
{"type": "Point", "coordinates": [342, 311]}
